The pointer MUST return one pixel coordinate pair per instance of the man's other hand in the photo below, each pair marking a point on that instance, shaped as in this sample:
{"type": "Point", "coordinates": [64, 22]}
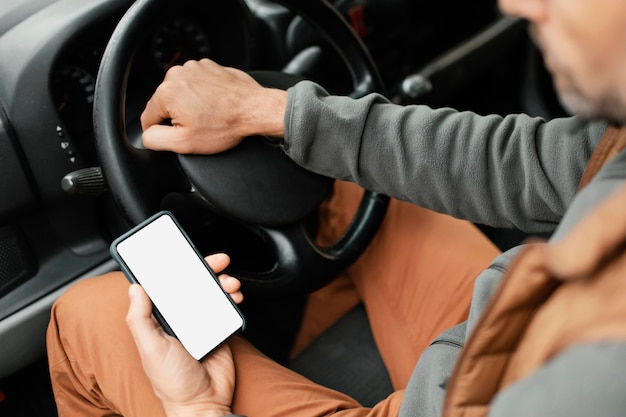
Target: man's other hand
{"type": "Point", "coordinates": [185, 386]}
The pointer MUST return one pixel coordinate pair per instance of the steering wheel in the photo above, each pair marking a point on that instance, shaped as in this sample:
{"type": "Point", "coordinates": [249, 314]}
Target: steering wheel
{"type": "Point", "coordinates": [265, 190]}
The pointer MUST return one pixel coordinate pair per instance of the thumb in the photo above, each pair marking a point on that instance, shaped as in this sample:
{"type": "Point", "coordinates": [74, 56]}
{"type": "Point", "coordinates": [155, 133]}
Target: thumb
{"type": "Point", "coordinates": [140, 305]}
{"type": "Point", "coordinates": [139, 318]}
{"type": "Point", "coordinates": [159, 137]}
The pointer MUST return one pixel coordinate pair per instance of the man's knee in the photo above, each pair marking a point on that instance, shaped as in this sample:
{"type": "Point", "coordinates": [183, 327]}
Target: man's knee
{"type": "Point", "coordinates": [95, 303]}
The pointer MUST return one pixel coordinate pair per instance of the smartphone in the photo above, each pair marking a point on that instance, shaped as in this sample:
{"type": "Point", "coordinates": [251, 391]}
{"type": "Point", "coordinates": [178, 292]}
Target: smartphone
{"type": "Point", "coordinates": [187, 299]}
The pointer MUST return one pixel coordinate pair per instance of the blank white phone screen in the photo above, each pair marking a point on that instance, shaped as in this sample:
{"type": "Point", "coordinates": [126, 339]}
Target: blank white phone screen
{"type": "Point", "coordinates": [180, 286]}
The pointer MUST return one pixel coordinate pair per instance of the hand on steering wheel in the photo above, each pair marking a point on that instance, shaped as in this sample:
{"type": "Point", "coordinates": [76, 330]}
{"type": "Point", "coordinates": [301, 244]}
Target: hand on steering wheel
{"type": "Point", "coordinates": [211, 109]}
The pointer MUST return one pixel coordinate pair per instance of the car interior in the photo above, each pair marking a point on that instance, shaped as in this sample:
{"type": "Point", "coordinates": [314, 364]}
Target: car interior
{"type": "Point", "coordinates": [74, 78]}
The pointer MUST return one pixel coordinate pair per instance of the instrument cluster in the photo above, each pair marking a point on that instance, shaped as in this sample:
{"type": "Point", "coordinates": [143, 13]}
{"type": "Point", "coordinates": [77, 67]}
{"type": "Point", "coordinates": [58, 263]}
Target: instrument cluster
{"type": "Point", "coordinates": [178, 37]}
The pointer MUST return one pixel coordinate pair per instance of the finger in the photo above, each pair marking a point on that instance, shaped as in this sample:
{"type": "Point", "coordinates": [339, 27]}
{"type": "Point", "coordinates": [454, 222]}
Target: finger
{"type": "Point", "coordinates": [155, 111]}
{"type": "Point", "coordinates": [232, 286]}
{"type": "Point", "coordinates": [218, 261]}
{"type": "Point", "coordinates": [160, 137]}
{"type": "Point", "coordinates": [237, 297]}
{"type": "Point", "coordinates": [581, 251]}
{"type": "Point", "coordinates": [139, 318]}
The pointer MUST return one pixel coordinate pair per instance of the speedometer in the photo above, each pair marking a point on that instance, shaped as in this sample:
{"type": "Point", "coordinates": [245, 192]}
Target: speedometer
{"type": "Point", "coordinates": [179, 40]}
{"type": "Point", "coordinates": [73, 90]}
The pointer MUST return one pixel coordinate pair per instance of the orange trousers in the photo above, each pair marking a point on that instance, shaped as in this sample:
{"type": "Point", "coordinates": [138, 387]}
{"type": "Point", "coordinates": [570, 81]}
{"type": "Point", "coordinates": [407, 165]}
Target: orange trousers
{"type": "Point", "coordinates": [415, 280]}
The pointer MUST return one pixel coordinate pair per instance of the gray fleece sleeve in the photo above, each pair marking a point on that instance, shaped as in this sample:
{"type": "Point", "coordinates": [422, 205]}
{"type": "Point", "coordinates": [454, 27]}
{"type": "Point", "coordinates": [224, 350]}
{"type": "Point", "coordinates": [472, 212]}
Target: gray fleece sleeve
{"type": "Point", "coordinates": [513, 171]}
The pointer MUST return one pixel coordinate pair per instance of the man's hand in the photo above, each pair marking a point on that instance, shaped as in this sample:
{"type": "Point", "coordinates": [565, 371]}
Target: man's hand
{"type": "Point", "coordinates": [211, 109]}
{"type": "Point", "coordinates": [185, 386]}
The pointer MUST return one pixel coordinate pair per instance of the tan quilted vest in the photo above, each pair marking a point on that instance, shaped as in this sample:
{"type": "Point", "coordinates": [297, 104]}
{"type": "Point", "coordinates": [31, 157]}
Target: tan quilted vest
{"type": "Point", "coordinates": [533, 316]}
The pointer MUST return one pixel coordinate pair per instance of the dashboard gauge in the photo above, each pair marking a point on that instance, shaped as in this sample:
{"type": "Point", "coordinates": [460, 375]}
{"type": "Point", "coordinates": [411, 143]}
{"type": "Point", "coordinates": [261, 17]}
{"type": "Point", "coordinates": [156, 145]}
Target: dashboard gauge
{"type": "Point", "coordinates": [177, 41]}
{"type": "Point", "coordinates": [73, 90]}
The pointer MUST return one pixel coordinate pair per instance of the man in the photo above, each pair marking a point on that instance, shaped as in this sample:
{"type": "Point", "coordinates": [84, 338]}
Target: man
{"type": "Point", "coordinates": [423, 290]}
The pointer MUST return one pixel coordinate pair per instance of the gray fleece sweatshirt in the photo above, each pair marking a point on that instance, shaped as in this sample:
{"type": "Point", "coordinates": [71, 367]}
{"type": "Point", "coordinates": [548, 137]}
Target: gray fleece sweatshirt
{"type": "Point", "coordinates": [513, 171]}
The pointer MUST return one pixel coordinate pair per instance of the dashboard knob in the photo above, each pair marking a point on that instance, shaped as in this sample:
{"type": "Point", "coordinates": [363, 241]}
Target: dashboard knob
{"type": "Point", "coordinates": [86, 181]}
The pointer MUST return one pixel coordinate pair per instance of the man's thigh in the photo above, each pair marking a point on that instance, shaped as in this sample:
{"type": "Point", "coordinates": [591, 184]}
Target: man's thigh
{"type": "Point", "coordinates": [96, 369]}
{"type": "Point", "coordinates": [415, 279]}
{"type": "Point", "coordinates": [94, 364]}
